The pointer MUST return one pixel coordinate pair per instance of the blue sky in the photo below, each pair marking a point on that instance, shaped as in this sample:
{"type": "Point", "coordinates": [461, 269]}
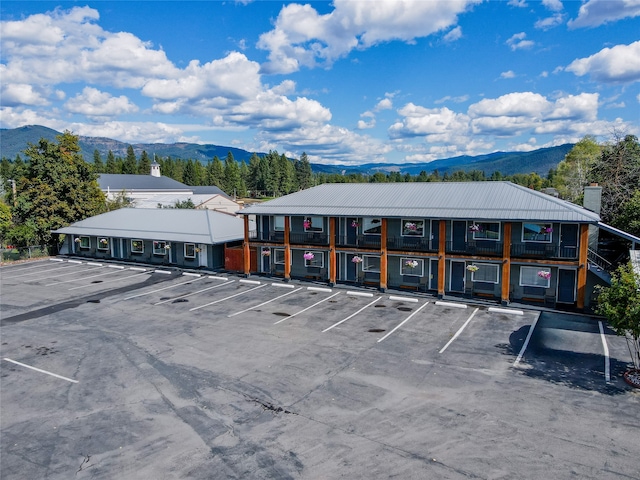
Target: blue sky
{"type": "Point", "coordinates": [346, 82]}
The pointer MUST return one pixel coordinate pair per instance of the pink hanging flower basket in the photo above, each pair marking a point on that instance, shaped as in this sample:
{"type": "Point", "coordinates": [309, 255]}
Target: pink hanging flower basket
{"type": "Point", "coordinates": [308, 256]}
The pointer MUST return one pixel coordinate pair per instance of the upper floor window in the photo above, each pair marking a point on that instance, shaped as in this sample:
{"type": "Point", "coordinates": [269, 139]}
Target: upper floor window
{"type": "Point", "coordinates": [537, 232]}
{"type": "Point", "coordinates": [412, 228]}
{"type": "Point", "coordinates": [313, 224]}
{"type": "Point", "coordinates": [485, 230]}
{"type": "Point", "coordinates": [278, 223]}
{"type": "Point", "coordinates": [371, 226]}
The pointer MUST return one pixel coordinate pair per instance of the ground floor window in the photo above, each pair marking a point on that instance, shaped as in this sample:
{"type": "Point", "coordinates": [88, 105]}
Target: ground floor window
{"type": "Point", "coordinates": [278, 256]}
{"type": "Point", "coordinates": [370, 263]}
{"type": "Point", "coordinates": [313, 259]}
{"type": "Point", "coordinates": [484, 272]}
{"type": "Point", "coordinates": [535, 277]}
{"type": "Point", "coordinates": [412, 266]}
{"type": "Point", "coordinates": [103, 243]}
{"type": "Point", "coordinates": [83, 242]}
{"type": "Point", "coordinates": [160, 247]}
{"type": "Point", "coordinates": [189, 250]}
{"type": "Point", "coordinates": [137, 246]}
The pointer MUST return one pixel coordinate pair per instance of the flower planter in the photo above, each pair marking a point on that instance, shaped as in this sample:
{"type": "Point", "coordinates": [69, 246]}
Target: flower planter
{"type": "Point", "coordinates": [632, 377]}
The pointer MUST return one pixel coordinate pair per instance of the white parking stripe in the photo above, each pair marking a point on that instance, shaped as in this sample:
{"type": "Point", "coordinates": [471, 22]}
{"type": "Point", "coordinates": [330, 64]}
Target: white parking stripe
{"type": "Point", "coordinates": [227, 298]}
{"type": "Point", "coordinates": [161, 289]}
{"type": "Point", "coordinates": [194, 293]}
{"type": "Point", "coordinates": [264, 303]}
{"type": "Point", "coordinates": [109, 281]}
{"type": "Point", "coordinates": [58, 275]}
{"type": "Point", "coordinates": [111, 272]}
{"type": "Point", "coordinates": [403, 322]}
{"type": "Point", "coordinates": [459, 331]}
{"type": "Point", "coordinates": [40, 370]}
{"type": "Point", "coordinates": [605, 347]}
{"type": "Point", "coordinates": [526, 340]}
{"type": "Point", "coordinates": [36, 273]}
{"type": "Point", "coordinates": [350, 316]}
{"type": "Point", "coordinates": [308, 308]}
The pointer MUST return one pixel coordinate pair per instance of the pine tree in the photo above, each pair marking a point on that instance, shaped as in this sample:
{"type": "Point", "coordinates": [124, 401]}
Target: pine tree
{"type": "Point", "coordinates": [131, 163]}
{"type": "Point", "coordinates": [98, 165]}
{"type": "Point", "coordinates": [144, 166]}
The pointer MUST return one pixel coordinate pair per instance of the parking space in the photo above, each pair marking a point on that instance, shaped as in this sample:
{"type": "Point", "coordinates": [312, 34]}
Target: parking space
{"type": "Point", "coordinates": [254, 378]}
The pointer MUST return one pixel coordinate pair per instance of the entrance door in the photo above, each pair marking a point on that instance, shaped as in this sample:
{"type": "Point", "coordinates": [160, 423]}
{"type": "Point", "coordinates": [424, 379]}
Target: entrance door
{"type": "Point", "coordinates": [566, 286]}
{"type": "Point", "coordinates": [352, 232]}
{"type": "Point", "coordinates": [459, 236]}
{"type": "Point", "coordinates": [203, 258]}
{"type": "Point", "coordinates": [115, 247]}
{"type": "Point", "coordinates": [435, 234]}
{"type": "Point", "coordinates": [457, 277]}
{"type": "Point", "coordinates": [569, 241]}
{"type": "Point", "coordinates": [433, 278]}
{"type": "Point", "coordinates": [265, 228]}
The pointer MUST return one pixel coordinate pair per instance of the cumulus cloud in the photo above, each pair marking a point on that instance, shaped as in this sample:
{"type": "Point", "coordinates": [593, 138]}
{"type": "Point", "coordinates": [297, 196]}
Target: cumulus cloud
{"type": "Point", "coordinates": [508, 74]}
{"type": "Point", "coordinates": [96, 104]}
{"type": "Point", "coordinates": [619, 64]}
{"type": "Point", "coordinates": [303, 37]}
{"type": "Point", "coordinates": [597, 12]}
{"type": "Point", "coordinates": [553, 5]}
{"type": "Point", "coordinates": [15, 94]}
{"type": "Point", "coordinates": [518, 41]}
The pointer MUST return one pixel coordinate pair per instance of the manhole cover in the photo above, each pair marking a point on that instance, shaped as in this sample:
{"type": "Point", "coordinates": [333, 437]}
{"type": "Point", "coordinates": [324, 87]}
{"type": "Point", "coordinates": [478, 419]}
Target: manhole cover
{"type": "Point", "coordinates": [376, 330]}
{"type": "Point", "coordinates": [405, 309]}
{"type": "Point", "coordinates": [180, 300]}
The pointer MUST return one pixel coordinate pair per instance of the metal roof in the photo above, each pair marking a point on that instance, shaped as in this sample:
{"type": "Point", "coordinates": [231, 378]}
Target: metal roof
{"type": "Point", "coordinates": [499, 201]}
{"type": "Point", "coordinates": [124, 181]}
{"type": "Point", "coordinates": [170, 199]}
{"type": "Point", "coordinates": [176, 225]}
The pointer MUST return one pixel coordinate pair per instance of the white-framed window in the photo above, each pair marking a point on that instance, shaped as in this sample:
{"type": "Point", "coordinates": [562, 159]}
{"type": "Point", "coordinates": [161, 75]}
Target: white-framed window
{"type": "Point", "coordinates": [412, 228]}
{"type": "Point", "coordinates": [84, 242]}
{"type": "Point", "coordinates": [370, 263]}
{"type": "Point", "coordinates": [160, 247]}
{"type": "Point", "coordinates": [103, 243]}
{"type": "Point", "coordinates": [535, 277]}
{"type": "Point", "coordinates": [412, 266]}
{"type": "Point", "coordinates": [313, 224]}
{"type": "Point", "coordinates": [278, 223]}
{"type": "Point", "coordinates": [278, 256]}
{"type": "Point", "coordinates": [485, 272]}
{"type": "Point", "coordinates": [313, 259]}
{"type": "Point", "coordinates": [371, 226]}
{"type": "Point", "coordinates": [537, 232]}
{"type": "Point", "coordinates": [485, 230]}
{"type": "Point", "coordinates": [137, 246]}
{"type": "Point", "coordinates": [190, 250]}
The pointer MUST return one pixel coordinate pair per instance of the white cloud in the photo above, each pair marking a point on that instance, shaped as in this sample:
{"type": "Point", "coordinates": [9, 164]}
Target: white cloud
{"type": "Point", "coordinates": [553, 5]}
{"type": "Point", "coordinates": [96, 104]}
{"type": "Point", "coordinates": [518, 42]}
{"type": "Point", "coordinates": [619, 64]}
{"type": "Point", "coordinates": [447, 98]}
{"type": "Point", "coordinates": [15, 94]}
{"type": "Point", "coordinates": [518, 3]}
{"type": "Point", "coordinates": [508, 74]}
{"type": "Point", "coordinates": [303, 37]}
{"type": "Point", "coordinates": [597, 12]}
{"type": "Point", "coordinates": [550, 22]}
{"type": "Point", "coordinates": [453, 35]}
{"type": "Point", "coordinates": [384, 104]}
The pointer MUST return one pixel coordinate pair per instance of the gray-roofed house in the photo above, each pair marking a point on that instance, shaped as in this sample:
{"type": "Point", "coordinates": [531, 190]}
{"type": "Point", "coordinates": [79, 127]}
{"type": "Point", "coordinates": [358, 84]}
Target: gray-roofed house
{"type": "Point", "coordinates": [487, 239]}
{"type": "Point", "coordinates": [184, 238]}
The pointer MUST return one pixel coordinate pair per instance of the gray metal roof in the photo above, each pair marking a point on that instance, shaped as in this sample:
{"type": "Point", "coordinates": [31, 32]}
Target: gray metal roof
{"type": "Point", "coordinates": [170, 199]}
{"type": "Point", "coordinates": [208, 190]}
{"type": "Point", "coordinates": [504, 201]}
{"type": "Point", "coordinates": [117, 182]}
{"type": "Point", "coordinates": [176, 225]}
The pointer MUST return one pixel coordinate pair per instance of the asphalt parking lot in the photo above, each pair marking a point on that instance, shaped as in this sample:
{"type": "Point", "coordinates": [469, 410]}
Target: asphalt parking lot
{"type": "Point", "coordinates": [156, 373]}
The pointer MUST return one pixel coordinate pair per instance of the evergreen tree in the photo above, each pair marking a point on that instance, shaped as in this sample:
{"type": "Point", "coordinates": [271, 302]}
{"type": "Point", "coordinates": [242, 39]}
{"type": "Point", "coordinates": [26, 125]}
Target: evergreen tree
{"type": "Point", "coordinates": [130, 163]}
{"type": "Point", "coordinates": [189, 173]}
{"type": "Point", "coordinates": [215, 173]}
{"type": "Point", "coordinates": [304, 173]}
{"type": "Point", "coordinates": [232, 181]}
{"type": "Point", "coordinates": [144, 165]}
{"type": "Point", "coordinates": [111, 166]}
{"type": "Point", "coordinates": [98, 165]}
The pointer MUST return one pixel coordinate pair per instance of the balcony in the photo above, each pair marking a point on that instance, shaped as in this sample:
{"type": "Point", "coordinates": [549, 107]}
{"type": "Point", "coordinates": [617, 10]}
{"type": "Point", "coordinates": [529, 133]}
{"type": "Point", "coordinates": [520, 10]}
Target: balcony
{"type": "Point", "coordinates": [309, 238]}
{"type": "Point", "coordinates": [546, 251]}
{"type": "Point", "coordinates": [475, 247]}
{"type": "Point", "coordinates": [359, 241]}
{"type": "Point", "coordinates": [415, 244]}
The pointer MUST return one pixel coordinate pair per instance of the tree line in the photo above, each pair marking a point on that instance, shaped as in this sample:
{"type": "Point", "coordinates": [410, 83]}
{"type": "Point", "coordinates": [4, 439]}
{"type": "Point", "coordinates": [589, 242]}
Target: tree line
{"type": "Point", "coordinates": [55, 186]}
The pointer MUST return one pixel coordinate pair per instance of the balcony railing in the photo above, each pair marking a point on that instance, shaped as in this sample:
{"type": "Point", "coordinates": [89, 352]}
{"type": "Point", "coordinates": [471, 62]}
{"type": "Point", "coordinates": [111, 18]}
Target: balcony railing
{"type": "Point", "coordinates": [475, 248]}
{"type": "Point", "coordinates": [309, 238]}
{"type": "Point", "coordinates": [418, 244]}
{"type": "Point", "coordinates": [528, 250]}
{"type": "Point", "coordinates": [360, 241]}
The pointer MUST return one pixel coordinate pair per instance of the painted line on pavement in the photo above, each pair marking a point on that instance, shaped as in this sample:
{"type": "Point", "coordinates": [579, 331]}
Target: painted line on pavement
{"type": "Point", "coordinates": [450, 304]}
{"type": "Point", "coordinates": [65, 267]}
{"type": "Point", "coordinates": [526, 340]}
{"type": "Point", "coordinates": [227, 298]}
{"type": "Point", "coordinates": [605, 347]}
{"type": "Point", "coordinates": [75, 272]}
{"type": "Point", "coordinates": [161, 289]}
{"type": "Point", "coordinates": [264, 303]}
{"type": "Point", "coordinates": [83, 278]}
{"type": "Point", "coordinates": [403, 322]}
{"type": "Point", "coordinates": [308, 308]}
{"type": "Point", "coordinates": [40, 370]}
{"type": "Point", "coordinates": [350, 316]}
{"type": "Point", "coordinates": [193, 293]}
{"type": "Point", "coordinates": [459, 331]}
{"type": "Point", "coordinates": [108, 281]}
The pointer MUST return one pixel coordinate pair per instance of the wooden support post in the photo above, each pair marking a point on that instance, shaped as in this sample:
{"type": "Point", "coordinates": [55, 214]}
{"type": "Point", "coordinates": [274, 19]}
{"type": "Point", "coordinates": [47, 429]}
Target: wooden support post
{"type": "Point", "coordinates": [442, 235]}
{"type": "Point", "coordinates": [506, 264]}
{"type": "Point", "coordinates": [383, 255]}
{"type": "Point", "coordinates": [246, 252]}
{"type": "Point", "coordinates": [332, 251]}
{"type": "Point", "coordinates": [287, 249]}
{"type": "Point", "coordinates": [583, 265]}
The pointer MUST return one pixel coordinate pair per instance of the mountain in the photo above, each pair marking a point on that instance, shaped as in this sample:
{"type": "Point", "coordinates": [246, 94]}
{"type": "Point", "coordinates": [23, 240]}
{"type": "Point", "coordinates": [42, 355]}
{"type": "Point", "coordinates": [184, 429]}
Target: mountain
{"type": "Point", "coordinates": [14, 141]}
